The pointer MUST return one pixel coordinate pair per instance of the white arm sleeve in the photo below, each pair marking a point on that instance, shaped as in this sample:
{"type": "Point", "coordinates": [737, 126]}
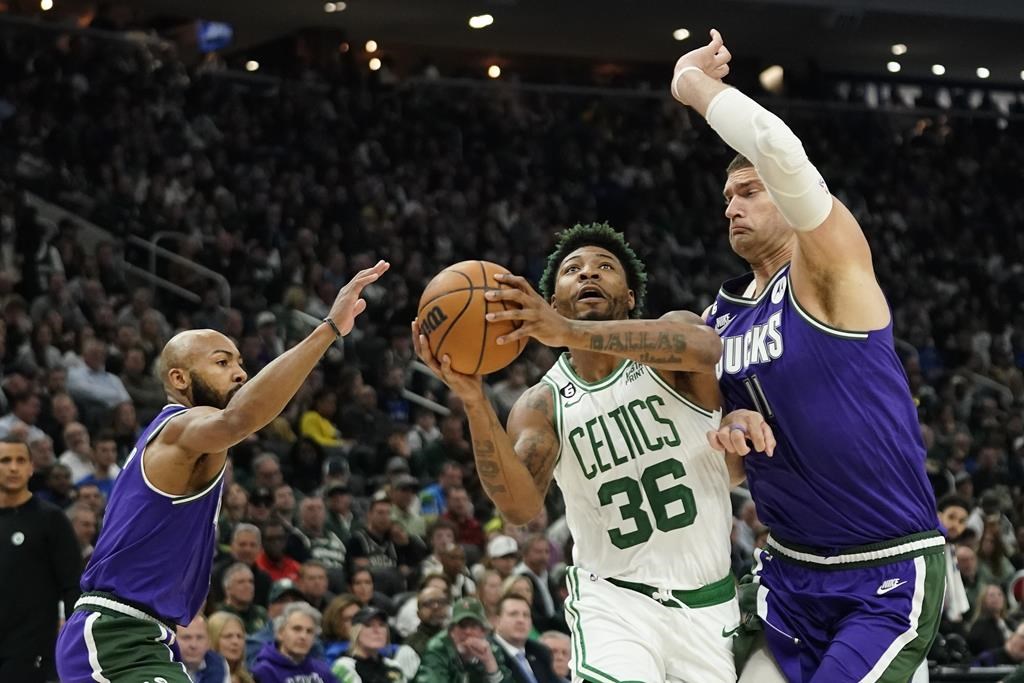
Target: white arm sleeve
{"type": "Point", "coordinates": [793, 182]}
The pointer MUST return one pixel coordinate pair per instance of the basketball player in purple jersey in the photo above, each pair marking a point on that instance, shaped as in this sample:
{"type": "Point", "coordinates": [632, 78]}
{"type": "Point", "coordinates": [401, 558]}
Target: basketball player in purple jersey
{"type": "Point", "coordinates": [151, 567]}
{"type": "Point", "coordinates": [850, 584]}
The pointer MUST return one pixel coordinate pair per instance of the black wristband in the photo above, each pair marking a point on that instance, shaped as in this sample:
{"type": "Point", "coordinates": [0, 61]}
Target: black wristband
{"type": "Point", "coordinates": [333, 326]}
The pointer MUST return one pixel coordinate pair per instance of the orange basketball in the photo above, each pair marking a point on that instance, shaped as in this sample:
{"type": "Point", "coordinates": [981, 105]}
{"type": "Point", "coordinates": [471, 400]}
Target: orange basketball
{"type": "Point", "coordinates": [451, 315]}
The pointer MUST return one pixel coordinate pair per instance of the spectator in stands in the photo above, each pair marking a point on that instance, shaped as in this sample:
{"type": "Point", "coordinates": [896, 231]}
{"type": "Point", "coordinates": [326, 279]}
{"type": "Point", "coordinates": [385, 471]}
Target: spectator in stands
{"type": "Point", "coordinates": [282, 594]}
{"type": "Point", "coordinates": [424, 430]}
{"type": "Point", "coordinates": [339, 511]}
{"type": "Point", "coordinates": [373, 547]}
{"type": "Point", "coordinates": [337, 628]}
{"type": "Point", "coordinates": [502, 555]}
{"type": "Point", "coordinates": [284, 504]}
{"type": "Point", "coordinates": [90, 383]}
{"type": "Point", "coordinates": [362, 420]}
{"type": "Point", "coordinates": [994, 565]}
{"type": "Point", "coordinates": [290, 657]}
{"type": "Point", "coordinates": [466, 652]}
{"type": "Point", "coordinates": [63, 412]}
{"type": "Point", "coordinates": [529, 660]}
{"type": "Point", "coordinates": [24, 410]}
{"type": "Point", "coordinates": [39, 352]}
{"type": "Point", "coordinates": [239, 591]}
{"type": "Point", "coordinates": [58, 489]}
{"type": "Point", "coordinates": [440, 535]}
{"type": "Point", "coordinates": [432, 604]}
{"type": "Point", "coordinates": [91, 496]}
{"type": "Point", "coordinates": [266, 470]}
{"type": "Point", "coordinates": [104, 463]}
{"type": "Point", "coordinates": [434, 498]}
{"type": "Point", "coordinates": [320, 543]}
{"type": "Point", "coordinates": [405, 505]}
{"type": "Point", "coordinates": [273, 559]}
{"type": "Point", "coordinates": [1010, 653]}
{"type": "Point", "coordinates": [203, 664]}
{"type": "Point", "coordinates": [363, 662]}
{"type": "Point", "coordinates": [453, 566]}
{"type": "Point", "coordinates": [536, 556]}
{"type": "Point", "coordinates": [452, 445]}
{"type": "Point", "coordinates": [508, 390]}
{"type": "Point", "coordinates": [85, 524]}
{"type": "Point", "coordinates": [361, 585]}
{"type": "Point", "coordinates": [146, 392]}
{"type": "Point", "coordinates": [317, 423]}
{"type": "Point", "coordinates": [246, 546]}
{"type": "Point", "coordinates": [78, 456]}
{"type": "Point", "coordinates": [227, 637]}
{"type": "Point", "coordinates": [313, 583]}
{"type": "Point", "coordinates": [561, 651]}
{"type": "Point", "coordinates": [468, 531]}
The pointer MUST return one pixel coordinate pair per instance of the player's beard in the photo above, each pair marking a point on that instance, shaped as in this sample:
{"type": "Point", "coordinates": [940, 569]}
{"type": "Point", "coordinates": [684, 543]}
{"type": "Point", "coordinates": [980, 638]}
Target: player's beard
{"type": "Point", "coordinates": [205, 395]}
{"type": "Point", "coordinates": [617, 309]}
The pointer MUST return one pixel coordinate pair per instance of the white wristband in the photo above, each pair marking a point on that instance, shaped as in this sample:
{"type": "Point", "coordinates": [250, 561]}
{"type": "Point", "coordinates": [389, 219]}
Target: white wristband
{"type": "Point", "coordinates": [679, 74]}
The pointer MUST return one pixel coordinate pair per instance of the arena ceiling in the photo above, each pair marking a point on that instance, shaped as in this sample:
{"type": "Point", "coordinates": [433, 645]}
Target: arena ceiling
{"type": "Point", "coordinates": [839, 35]}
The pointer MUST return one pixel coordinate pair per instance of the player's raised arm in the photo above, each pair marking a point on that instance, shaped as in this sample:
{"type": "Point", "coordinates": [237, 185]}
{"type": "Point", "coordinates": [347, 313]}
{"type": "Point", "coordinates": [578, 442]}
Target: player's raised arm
{"type": "Point", "coordinates": [678, 341]}
{"type": "Point", "coordinates": [212, 430]}
{"type": "Point", "coordinates": [515, 467]}
{"type": "Point", "coordinates": [831, 250]}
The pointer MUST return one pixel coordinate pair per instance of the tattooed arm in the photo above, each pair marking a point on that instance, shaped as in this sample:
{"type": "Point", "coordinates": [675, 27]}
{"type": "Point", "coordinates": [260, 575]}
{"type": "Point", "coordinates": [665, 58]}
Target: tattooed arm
{"type": "Point", "coordinates": [515, 467]}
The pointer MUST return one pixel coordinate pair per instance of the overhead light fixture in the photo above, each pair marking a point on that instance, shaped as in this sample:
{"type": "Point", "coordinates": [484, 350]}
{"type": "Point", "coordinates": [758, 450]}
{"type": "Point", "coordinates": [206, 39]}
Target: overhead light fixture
{"type": "Point", "coordinates": [771, 78]}
{"type": "Point", "coordinates": [46, 5]}
{"type": "Point", "coordinates": [899, 49]}
{"type": "Point", "coordinates": [681, 34]}
{"type": "Point", "coordinates": [330, 7]}
{"type": "Point", "coordinates": [341, 6]}
{"type": "Point", "coordinates": [494, 71]}
{"type": "Point", "coordinates": [252, 65]}
{"type": "Point", "coordinates": [938, 69]}
{"type": "Point", "coordinates": [893, 67]}
{"type": "Point", "coordinates": [375, 64]}
{"type": "Point", "coordinates": [1022, 75]}
{"type": "Point", "coordinates": [371, 46]}
{"type": "Point", "coordinates": [344, 47]}
{"type": "Point", "coordinates": [481, 21]}
{"type": "Point", "coordinates": [983, 72]}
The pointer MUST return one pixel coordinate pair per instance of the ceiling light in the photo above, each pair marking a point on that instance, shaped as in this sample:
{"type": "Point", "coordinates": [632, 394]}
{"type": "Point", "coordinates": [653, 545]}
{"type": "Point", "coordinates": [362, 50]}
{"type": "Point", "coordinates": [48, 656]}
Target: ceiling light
{"type": "Point", "coordinates": [983, 72]}
{"type": "Point", "coordinates": [680, 34]}
{"type": "Point", "coordinates": [374, 64]}
{"type": "Point", "coordinates": [938, 69]}
{"type": "Point", "coordinates": [1022, 75]}
{"type": "Point", "coordinates": [481, 21]}
{"type": "Point", "coordinates": [893, 67]}
{"type": "Point", "coordinates": [371, 46]}
{"type": "Point", "coordinates": [340, 6]}
{"type": "Point", "coordinates": [252, 65]}
{"type": "Point", "coordinates": [494, 71]}
{"type": "Point", "coordinates": [771, 78]}
{"type": "Point", "coordinates": [330, 7]}
{"type": "Point", "coordinates": [46, 5]}
{"type": "Point", "coordinates": [344, 47]}
{"type": "Point", "coordinates": [899, 49]}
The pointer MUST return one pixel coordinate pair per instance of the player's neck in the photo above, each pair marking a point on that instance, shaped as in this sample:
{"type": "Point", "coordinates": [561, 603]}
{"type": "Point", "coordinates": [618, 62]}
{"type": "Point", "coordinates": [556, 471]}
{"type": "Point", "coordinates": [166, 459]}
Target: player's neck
{"type": "Point", "coordinates": [14, 499]}
{"type": "Point", "coordinates": [765, 269]}
{"type": "Point", "coordinates": [592, 367]}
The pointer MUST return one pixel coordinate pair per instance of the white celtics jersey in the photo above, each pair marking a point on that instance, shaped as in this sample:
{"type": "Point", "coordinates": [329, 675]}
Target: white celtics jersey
{"type": "Point", "coordinates": [646, 498]}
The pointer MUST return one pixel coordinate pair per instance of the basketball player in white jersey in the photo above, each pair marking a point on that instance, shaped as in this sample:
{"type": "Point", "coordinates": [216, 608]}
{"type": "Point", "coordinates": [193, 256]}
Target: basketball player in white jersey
{"type": "Point", "coordinates": [620, 422]}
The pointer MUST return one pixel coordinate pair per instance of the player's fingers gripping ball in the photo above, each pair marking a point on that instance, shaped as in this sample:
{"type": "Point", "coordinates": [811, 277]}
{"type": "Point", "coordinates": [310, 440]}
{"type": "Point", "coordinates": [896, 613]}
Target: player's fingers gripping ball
{"type": "Point", "coordinates": [452, 317]}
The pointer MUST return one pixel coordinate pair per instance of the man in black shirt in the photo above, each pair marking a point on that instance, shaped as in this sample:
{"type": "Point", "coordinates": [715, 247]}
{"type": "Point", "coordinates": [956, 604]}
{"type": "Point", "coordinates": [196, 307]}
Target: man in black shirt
{"type": "Point", "coordinates": [384, 548]}
{"type": "Point", "coordinates": [40, 562]}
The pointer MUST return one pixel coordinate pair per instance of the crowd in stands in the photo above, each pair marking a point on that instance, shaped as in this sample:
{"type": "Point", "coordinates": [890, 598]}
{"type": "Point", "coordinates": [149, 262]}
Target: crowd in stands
{"type": "Point", "coordinates": [354, 531]}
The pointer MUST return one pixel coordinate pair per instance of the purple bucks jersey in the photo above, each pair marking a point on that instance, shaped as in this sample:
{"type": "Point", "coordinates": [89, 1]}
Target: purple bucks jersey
{"type": "Point", "coordinates": [156, 549]}
{"type": "Point", "coordinates": [848, 469]}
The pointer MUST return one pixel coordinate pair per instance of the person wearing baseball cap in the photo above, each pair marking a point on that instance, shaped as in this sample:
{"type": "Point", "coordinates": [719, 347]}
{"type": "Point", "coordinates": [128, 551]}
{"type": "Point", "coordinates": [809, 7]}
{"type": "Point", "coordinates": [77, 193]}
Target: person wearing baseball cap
{"type": "Point", "coordinates": [365, 662]}
{"type": "Point", "coordinates": [466, 652]}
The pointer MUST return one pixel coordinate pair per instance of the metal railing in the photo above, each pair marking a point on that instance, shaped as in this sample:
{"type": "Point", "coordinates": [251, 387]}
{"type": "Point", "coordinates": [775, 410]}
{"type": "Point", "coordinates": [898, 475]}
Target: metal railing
{"type": "Point", "coordinates": [154, 250]}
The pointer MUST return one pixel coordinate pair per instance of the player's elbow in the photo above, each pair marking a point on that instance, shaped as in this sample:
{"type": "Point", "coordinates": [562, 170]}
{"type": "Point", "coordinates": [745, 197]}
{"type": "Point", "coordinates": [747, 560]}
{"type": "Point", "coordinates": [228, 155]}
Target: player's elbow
{"type": "Point", "coordinates": [705, 350]}
{"type": "Point", "coordinates": [521, 514]}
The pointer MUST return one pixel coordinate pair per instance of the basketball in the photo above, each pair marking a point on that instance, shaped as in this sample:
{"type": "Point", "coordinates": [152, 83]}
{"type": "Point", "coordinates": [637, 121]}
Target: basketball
{"type": "Point", "coordinates": [451, 316]}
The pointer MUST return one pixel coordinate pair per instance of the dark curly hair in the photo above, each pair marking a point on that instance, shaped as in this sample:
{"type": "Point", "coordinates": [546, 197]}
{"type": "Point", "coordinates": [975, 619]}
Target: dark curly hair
{"type": "Point", "coordinates": [606, 237]}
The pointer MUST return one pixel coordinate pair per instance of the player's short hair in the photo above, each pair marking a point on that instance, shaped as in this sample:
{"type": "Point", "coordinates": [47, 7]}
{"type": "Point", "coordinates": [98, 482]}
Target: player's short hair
{"type": "Point", "coordinates": [606, 237]}
{"type": "Point", "coordinates": [952, 500]}
{"type": "Point", "coordinates": [738, 162]}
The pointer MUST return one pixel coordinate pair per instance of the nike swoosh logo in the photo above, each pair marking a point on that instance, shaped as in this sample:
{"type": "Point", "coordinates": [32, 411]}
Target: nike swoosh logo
{"type": "Point", "coordinates": [883, 590]}
{"type": "Point", "coordinates": [732, 633]}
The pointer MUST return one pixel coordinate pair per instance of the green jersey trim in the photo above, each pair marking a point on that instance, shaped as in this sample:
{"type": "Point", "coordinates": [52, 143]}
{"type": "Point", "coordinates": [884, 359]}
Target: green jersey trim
{"type": "Point", "coordinates": [712, 594]}
{"type": "Point", "coordinates": [567, 368]}
{"type": "Point", "coordinates": [557, 420]}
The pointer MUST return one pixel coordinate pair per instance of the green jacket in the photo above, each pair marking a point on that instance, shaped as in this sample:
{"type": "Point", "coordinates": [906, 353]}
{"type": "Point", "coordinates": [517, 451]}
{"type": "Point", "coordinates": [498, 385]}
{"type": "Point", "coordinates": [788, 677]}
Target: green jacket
{"type": "Point", "coordinates": [442, 663]}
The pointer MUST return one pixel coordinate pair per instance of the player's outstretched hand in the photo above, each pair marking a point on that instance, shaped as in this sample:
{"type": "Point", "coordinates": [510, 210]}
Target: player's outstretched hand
{"type": "Point", "coordinates": [466, 387]}
{"type": "Point", "coordinates": [536, 316]}
{"type": "Point", "coordinates": [740, 430]}
{"type": "Point", "coordinates": [348, 304]}
{"type": "Point", "coordinates": [712, 59]}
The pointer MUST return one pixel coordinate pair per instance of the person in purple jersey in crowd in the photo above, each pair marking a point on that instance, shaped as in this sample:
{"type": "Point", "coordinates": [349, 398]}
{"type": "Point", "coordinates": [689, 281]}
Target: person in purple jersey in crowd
{"type": "Point", "coordinates": [151, 567]}
{"type": "Point", "coordinates": [850, 583]}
